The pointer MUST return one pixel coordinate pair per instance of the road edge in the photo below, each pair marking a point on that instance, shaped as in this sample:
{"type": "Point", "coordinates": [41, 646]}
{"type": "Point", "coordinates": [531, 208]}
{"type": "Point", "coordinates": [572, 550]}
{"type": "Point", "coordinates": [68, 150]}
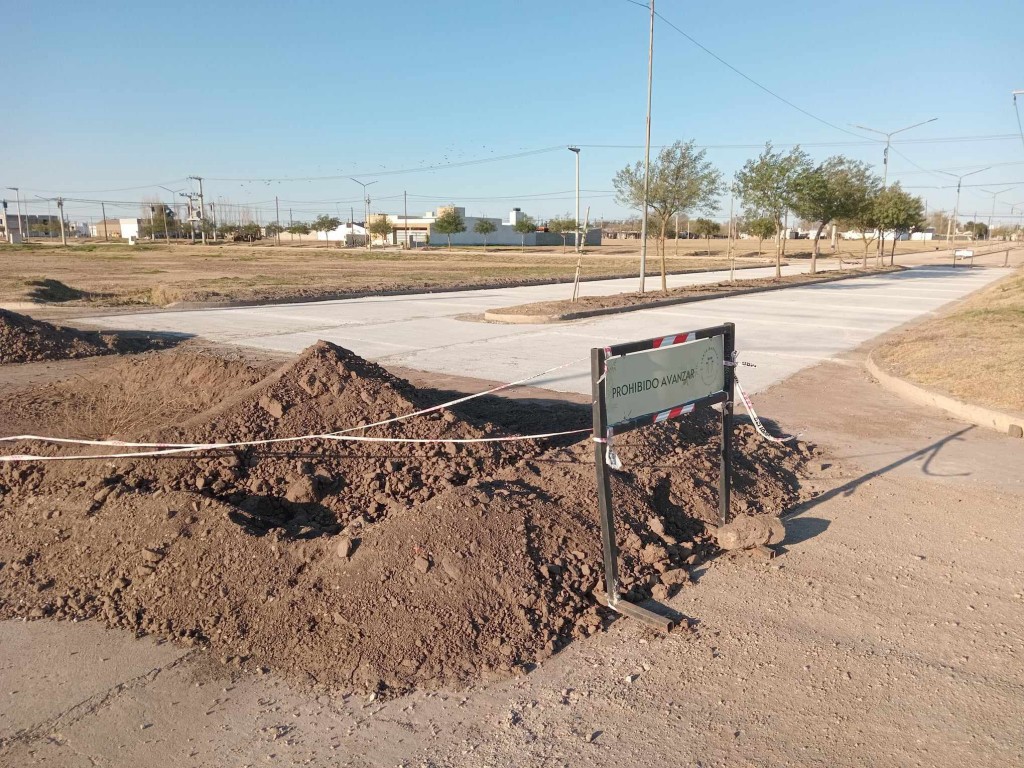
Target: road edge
{"type": "Point", "coordinates": [497, 316]}
{"type": "Point", "coordinates": [989, 418]}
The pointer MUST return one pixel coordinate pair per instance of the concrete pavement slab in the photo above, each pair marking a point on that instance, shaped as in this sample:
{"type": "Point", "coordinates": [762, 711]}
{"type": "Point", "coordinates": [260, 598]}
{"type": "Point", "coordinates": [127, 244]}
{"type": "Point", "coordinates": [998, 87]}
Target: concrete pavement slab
{"type": "Point", "coordinates": [782, 332]}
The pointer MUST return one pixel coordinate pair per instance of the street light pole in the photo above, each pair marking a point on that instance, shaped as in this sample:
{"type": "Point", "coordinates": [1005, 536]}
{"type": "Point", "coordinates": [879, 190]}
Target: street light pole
{"type": "Point", "coordinates": [647, 156]}
{"type": "Point", "coordinates": [21, 223]}
{"type": "Point", "coordinates": [576, 151]}
{"type": "Point", "coordinates": [888, 142]}
{"type": "Point", "coordinates": [885, 160]}
{"type": "Point", "coordinates": [956, 208]}
{"type": "Point", "coordinates": [366, 207]}
{"type": "Point", "coordinates": [993, 212]}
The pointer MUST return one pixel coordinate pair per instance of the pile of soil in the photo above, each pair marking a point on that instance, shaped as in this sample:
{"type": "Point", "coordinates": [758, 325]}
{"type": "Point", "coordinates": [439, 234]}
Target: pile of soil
{"type": "Point", "coordinates": [24, 340]}
{"type": "Point", "coordinates": [363, 566]}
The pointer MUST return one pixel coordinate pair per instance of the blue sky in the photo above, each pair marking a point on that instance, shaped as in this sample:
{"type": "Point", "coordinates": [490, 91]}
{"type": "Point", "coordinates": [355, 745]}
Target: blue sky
{"type": "Point", "coordinates": [134, 94]}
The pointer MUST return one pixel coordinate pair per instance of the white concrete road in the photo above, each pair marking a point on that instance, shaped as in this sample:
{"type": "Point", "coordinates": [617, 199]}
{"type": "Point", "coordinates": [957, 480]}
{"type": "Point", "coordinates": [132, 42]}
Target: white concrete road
{"type": "Point", "coordinates": [781, 332]}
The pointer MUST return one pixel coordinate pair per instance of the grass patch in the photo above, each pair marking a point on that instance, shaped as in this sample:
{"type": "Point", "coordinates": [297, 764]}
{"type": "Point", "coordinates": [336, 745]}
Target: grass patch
{"type": "Point", "coordinates": [975, 353]}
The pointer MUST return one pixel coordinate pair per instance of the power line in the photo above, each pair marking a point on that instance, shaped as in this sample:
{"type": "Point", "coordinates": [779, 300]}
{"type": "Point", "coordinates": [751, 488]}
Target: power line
{"type": "Point", "coordinates": [865, 143]}
{"type": "Point", "coordinates": [751, 80]}
{"type": "Point", "coordinates": [1016, 109]}
{"type": "Point", "coordinates": [373, 174]}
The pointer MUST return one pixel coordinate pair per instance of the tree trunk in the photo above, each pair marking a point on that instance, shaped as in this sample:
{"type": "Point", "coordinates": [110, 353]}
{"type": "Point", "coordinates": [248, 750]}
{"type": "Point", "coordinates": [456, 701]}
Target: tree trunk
{"type": "Point", "coordinates": [816, 250]}
{"type": "Point", "coordinates": [866, 244]}
{"type": "Point", "coordinates": [778, 253]}
{"type": "Point", "coordinates": [881, 248]}
{"type": "Point", "coordinates": [892, 254]}
{"type": "Point", "coordinates": [760, 246]}
{"type": "Point", "coordinates": [709, 245]}
{"type": "Point", "coordinates": [449, 242]}
{"type": "Point", "coordinates": [522, 248]}
{"type": "Point", "coordinates": [661, 241]}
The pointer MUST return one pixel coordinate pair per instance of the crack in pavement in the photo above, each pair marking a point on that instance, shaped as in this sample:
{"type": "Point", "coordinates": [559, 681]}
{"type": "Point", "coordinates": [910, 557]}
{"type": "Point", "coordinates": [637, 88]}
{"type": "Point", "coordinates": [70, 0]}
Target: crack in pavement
{"type": "Point", "coordinates": [48, 728]}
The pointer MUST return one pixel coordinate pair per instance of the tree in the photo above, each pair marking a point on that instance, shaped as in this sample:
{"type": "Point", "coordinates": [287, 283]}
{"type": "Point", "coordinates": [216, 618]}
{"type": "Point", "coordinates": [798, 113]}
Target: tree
{"type": "Point", "coordinates": [273, 229]}
{"type": "Point", "coordinates": [761, 227]}
{"type": "Point", "coordinates": [564, 226]}
{"type": "Point", "coordinates": [899, 211]}
{"type": "Point", "coordinates": [766, 185]}
{"type": "Point", "coordinates": [978, 229]}
{"type": "Point", "coordinates": [325, 224]}
{"type": "Point", "coordinates": [525, 225]}
{"type": "Point", "coordinates": [680, 180]}
{"type": "Point", "coordinates": [833, 190]}
{"type": "Point", "coordinates": [381, 227]}
{"type": "Point", "coordinates": [297, 228]}
{"type": "Point", "coordinates": [484, 227]}
{"type": "Point", "coordinates": [706, 228]}
{"type": "Point", "coordinates": [160, 222]}
{"type": "Point", "coordinates": [449, 223]}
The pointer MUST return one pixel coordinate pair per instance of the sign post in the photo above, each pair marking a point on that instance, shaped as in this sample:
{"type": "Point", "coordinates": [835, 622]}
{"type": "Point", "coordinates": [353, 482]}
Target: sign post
{"type": "Point", "coordinates": [637, 384]}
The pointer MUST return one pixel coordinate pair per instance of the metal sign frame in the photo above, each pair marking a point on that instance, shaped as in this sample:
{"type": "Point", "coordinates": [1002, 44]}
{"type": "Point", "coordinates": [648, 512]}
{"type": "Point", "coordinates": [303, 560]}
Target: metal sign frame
{"type": "Point", "coordinates": [603, 433]}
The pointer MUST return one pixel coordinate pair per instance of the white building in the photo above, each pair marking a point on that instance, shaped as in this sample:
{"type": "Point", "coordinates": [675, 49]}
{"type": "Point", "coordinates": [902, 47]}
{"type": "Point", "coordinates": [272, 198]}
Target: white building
{"type": "Point", "coordinates": [349, 233]}
{"type": "Point", "coordinates": [130, 228]}
{"type": "Point", "coordinates": [420, 230]}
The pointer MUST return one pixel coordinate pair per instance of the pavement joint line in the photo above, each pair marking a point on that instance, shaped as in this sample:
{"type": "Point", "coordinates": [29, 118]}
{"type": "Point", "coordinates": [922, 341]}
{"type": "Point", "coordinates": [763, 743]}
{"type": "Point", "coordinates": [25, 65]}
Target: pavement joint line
{"type": "Point", "coordinates": [829, 307]}
{"type": "Point", "coordinates": [746, 319]}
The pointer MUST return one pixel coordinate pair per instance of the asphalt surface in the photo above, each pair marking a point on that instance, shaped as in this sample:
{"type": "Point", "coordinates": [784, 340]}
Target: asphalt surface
{"type": "Point", "coordinates": [780, 332]}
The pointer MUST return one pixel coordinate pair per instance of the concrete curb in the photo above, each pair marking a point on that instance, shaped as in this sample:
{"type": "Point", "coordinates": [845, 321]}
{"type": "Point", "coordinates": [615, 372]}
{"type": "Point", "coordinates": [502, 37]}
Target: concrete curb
{"type": "Point", "coordinates": [497, 316]}
{"type": "Point", "coordinates": [1006, 423]}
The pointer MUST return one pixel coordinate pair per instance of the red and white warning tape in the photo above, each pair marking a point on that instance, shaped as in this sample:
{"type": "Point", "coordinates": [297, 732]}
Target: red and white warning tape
{"type": "Point", "coordinates": [749, 407]}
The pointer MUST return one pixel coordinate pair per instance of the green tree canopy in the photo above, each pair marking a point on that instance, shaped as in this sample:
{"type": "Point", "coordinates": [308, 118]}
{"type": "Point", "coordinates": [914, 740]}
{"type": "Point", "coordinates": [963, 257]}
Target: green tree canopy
{"type": "Point", "coordinates": [899, 211]}
{"type": "Point", "coordinates": [325, 223]}
{"type": "Point", "coordinates": [484, 227]}
{"type": "Point", "coordinates": [767, 187]}
{"type": "Point", "coordinates": [450, 223]}
{"type": "Point", "coordinates": [381, 227]}
{"type": "Point", "coordinates": [706, 228]}
{"type": "Point", "coordinates": [834, 190]}
{"type": "Point", "coordinates": [762, 228]}
{"type": "Point", "coordinates": [525, 225]}
{"type": "Point", "coordinates": [298, 228]}
{"type": "Point", "coordinates": [681, 180]}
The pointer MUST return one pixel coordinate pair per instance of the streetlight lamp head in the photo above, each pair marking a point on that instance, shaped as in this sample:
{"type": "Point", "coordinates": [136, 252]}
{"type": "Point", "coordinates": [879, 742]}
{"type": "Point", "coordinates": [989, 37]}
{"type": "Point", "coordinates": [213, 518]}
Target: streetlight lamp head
{"type": "Point", "coordinates": [574, 149]}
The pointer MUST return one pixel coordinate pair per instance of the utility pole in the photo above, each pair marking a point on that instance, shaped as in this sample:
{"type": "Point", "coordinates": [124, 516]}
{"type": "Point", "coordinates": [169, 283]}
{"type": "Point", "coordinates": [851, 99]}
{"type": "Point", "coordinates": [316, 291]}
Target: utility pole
{"type": "Point", "coordinates": [405, 203]}
{"type": "Point", "coordinates": [103, 209]}
{"type": "Point", "coordinates": [213, 215]}
{"type": "Point", "coordinates": [576, 151]}
{"type": "Point", "coordinates": [202, 208]}
{"type": "Point", "coordinates": [21, 223]}
{"type": "Point", "coordinates": [60, 215]}
{"type": "Point", "coordinates": [732, 264]}
{"type": "Point", "coordinates": [167, 232]}
{"type": "Point", "coordinates": [956, 208]}
{"type": "Point", "coordinates": [993, 213]}
{"type": "Point", "coordinates": [277, 219]}
{"type": "Point", "coordinates": [885, 156]}
{"type": "Point", "coordinates": [366, 208]}
{"type": "Point", "coordinates": [647, 155]}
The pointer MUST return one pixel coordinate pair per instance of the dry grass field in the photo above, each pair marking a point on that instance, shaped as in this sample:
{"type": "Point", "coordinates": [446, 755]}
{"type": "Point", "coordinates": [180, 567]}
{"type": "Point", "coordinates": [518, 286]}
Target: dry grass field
{"type": "Point", "coordinates": [106, 274]}
{"type": "Point", "coordinates": [975, 353]}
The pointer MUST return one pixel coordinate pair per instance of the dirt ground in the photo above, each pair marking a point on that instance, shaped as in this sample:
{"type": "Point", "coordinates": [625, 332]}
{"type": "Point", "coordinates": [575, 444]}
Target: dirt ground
{"type": "Point", "coordinates": [710, 289]}
{"type": "Point", "coordinates": [884, 633]}
{"type": "Point", "coordinates": [381, 567]}
{"type": "Point", "coordinates": [108, 274]}
{"type": "Point", "coordinates": [985, 335]}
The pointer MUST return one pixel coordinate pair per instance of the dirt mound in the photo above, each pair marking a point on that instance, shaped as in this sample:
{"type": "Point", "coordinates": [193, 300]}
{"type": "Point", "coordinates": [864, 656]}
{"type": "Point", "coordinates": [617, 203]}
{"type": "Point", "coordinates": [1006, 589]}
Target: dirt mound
{"type": "Point", "coordinates": [364, 566]}
{"type": "Point", "coordinates": [24, 340]}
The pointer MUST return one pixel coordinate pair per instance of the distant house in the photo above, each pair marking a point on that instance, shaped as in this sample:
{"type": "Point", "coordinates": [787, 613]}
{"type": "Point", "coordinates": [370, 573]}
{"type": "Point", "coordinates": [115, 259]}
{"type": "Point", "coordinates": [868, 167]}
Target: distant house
{"type": "Point", "coordinates": [348, 233]}
{"type": "Point", "coordinates": [36, 225]}
{"type": "Point", "coordinates": [415, 231]}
